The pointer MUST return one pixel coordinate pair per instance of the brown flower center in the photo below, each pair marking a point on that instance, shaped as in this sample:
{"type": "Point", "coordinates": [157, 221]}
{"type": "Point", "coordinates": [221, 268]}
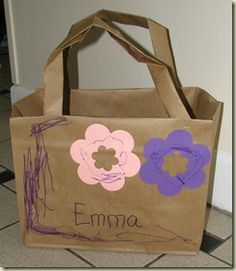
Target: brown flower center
{"type": "Point", "coordinates": [174, 163]}
{"type": "Point", "coordinates": [105, 158]}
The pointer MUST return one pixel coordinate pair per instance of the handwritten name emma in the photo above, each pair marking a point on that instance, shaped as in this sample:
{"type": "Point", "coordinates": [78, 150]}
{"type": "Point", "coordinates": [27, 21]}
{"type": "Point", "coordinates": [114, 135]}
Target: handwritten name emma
{"type": "Point", "coordinates": [105, 220]}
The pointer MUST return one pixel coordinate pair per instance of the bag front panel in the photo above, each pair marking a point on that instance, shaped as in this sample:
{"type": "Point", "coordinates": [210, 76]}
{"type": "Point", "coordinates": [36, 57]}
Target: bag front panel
{"type": "Point", "coordinates": [140, 201]}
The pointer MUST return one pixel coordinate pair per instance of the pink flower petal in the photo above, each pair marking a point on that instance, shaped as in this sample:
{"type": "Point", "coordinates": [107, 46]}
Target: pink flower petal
{"type": "Point", "coordinates": [121, 141]}
{"type": "Point", "coordinates": [132, 165]}
{"type": "Point", "coordinates": [115, 186]}
{"type": "Point", "coordinates": [75, 150]}
{"type": "Point", "coordinates": [125, 138]}
{"type": "Point", "coordinates": [96, 132]}
{"type": "Point", "coordinates": [109, 143]}
{"type": "Point", "coordinates": [86, 175]}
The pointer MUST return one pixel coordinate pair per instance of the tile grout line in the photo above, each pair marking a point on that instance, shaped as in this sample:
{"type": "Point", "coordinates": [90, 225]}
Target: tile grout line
{"type": "Point", "coordinates": [154, 260]}
{"type": "Point", "coordinates": [222, 211]}
{"type": "Point", "coordinates": [209, 253]}
{"type": "Point", "coordinates": [5, 110]}
{"type": "Point", "coordinates": [215, 257]}
{"type": "Point", "coordinates": [8, 188]}
{"type": "Point", "coordinates": [9, 109]}
{"type": "Point", "coordinates": [80, 257]}
{"type": "Point", "coordinates": [6, 167]}
{"type": "Point", "coordinates": [6, 175]}
{"type": "Point", "coordinates": [4, 140]}
{"type": "Point", "coordinates": [215, 236]}
{"type": "Point", "coordinates": [226, 239]}
{"type": "Point", "coordinates": [9, 225]}
{"type": "Point", "coordinates": [223, 241]}
{"type": "Point", "coordinates": [5, 98]}
{"type": "Point", "coordinates": [9, 98]}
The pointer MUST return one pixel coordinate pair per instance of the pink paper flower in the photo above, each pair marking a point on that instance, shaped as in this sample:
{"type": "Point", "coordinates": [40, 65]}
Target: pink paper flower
{"type": "Point", "coordinates": [98, 137]}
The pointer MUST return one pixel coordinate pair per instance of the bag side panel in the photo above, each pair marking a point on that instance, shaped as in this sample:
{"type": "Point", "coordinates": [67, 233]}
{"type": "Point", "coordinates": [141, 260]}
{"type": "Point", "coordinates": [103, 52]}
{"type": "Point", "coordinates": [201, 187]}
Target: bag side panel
{"type": "Point", "coordinates": [135, 218]}
{"type": "Point", "coordinates": [29, 106]}
{"type": "Point", "coordinates": [202, 103]}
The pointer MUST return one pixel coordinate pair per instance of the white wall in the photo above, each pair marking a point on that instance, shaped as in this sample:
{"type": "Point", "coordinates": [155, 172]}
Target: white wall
{"type": "Point", "coordinates": [201, 40]}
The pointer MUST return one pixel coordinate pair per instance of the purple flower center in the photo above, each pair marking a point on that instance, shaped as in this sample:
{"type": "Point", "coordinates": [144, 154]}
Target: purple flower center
{"type": "Point", "coordinates": [174, 163]}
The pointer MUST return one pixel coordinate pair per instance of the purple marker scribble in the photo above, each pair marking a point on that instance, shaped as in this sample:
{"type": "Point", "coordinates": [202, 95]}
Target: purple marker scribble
{"type": "Point", "coordinates": [98, 176]}
{"type": "Point", "coordinates": [104, 177]}
{"type": "Point", "coordinates": [179, 141]}
{"type": "Point", "coordinates": [37, 174]}
{"type": "Point", "coordinates": [36, 168]}
{"type": "Point", "coordinates": [150, 238]}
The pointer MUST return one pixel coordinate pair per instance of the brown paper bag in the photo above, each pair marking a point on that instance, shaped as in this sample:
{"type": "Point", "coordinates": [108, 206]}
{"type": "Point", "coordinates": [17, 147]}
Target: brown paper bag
{"type": "Point", "coordinates": [126, 169]}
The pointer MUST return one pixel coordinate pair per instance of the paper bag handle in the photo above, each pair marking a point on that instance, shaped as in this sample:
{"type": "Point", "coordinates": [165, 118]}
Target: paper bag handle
{"type": "Point", "coordinates": [159, 35]}
{"type": "Point", "coordinates": [53, 94]}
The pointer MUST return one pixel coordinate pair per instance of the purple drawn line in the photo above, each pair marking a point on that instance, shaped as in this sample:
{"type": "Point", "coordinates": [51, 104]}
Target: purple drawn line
{"type": "Point", "coordinates": [109, 177]}
{"type": "Point", "coordinates": [34, 168]}
{"type": "Point", "coordinates": [158, 238]}
{"type": "Point", "coordinates": [181, 179]}
{"type": "Point", "coordinates": [177, 235]}
{"type": "Point", "coordinates": [37, 128]}
{"type": "Point", "coordinates": [118, 238]}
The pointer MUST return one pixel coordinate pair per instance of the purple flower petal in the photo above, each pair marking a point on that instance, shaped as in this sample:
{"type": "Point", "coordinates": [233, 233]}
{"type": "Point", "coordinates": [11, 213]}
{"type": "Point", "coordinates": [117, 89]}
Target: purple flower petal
{"type": "Point", "coordinates": [151, 146]}
{"type": "Point", "coordinates": [179, 137]}
{"type": "Point", "coordinates": [148, 173]}
{"type": "Point", "coordinates": [155, 150]}
{"type": "Point", "coordinates": [197, 180]}
{"type": "Point", "coordinates": [203, 151]}
{"type": "Point", "coordinates": [169, 189]}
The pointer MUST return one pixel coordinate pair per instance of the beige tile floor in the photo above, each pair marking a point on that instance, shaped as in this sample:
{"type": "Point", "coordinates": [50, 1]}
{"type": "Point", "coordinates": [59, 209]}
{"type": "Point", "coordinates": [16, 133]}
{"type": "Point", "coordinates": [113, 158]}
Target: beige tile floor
{"type": "Point", "coordinates": [14, 254]}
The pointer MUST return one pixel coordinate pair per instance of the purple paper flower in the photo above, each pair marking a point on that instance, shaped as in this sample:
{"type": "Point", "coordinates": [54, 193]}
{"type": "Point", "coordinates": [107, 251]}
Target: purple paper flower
{"type": "Point", "coordinates": [178, 141]}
